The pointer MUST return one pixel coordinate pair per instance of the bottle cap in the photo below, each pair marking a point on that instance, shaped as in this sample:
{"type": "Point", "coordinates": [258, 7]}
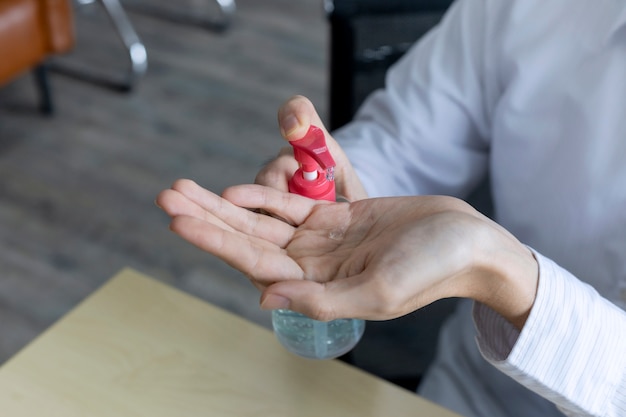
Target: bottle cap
{"type": "Point", "coordinates": [314, 158]}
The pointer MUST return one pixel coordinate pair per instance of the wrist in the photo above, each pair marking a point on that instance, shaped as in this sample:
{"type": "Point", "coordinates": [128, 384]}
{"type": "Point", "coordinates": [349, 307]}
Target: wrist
{"type": "Point", "coordinates": [507, 277]}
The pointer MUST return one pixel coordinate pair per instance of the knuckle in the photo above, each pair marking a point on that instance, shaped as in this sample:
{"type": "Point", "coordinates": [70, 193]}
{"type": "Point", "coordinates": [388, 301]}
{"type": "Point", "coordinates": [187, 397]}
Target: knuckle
{"type": "Point", "coordinates": [323, 313]}
{"type": "Point", "coordinates": [320, 308]}
{"type": "Point", "coordinates": [266, 176]}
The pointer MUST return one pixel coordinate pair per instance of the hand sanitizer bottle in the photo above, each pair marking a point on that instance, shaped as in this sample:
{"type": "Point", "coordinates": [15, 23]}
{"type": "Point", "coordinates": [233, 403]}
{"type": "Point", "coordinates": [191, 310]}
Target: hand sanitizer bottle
{"type": "Point", "coordinates": [298, 333]}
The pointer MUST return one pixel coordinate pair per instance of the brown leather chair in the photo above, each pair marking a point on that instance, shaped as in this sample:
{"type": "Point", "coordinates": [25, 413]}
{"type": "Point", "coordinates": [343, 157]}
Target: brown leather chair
{"type": "Point", "coordinates": [30, 32]}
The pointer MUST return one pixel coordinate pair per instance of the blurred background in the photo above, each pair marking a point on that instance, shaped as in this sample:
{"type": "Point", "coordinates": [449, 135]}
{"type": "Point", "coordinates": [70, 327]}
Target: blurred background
{"type": "Point", "coordinates": [77, 187]}
{"type": "Point", "coordinates": [142, 92]}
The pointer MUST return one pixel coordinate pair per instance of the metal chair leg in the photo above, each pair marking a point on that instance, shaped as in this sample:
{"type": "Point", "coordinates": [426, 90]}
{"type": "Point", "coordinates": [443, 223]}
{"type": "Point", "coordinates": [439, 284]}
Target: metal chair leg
{"type": "Point", "coordinates": [136, 50]}
{"type": "Point", "coordinates": [226, 11]}
{"type": "Point", "coordinates": [137, 55]}
{"type": "Point", "coordinates": [42, 81]}
{"type": "Point", "coordinates": [227, 8]}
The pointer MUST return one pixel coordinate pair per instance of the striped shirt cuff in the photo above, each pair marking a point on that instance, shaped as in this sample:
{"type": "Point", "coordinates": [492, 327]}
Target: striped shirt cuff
{"type": "Point", "coordinates": [572, 349]}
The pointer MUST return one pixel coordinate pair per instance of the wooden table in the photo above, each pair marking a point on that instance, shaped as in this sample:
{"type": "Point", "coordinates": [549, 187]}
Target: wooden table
{"type": "Point", "coordinates": [138, 347]}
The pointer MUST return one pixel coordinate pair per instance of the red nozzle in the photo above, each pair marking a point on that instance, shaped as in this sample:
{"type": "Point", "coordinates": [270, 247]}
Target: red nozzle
{"type": "Point", "coordinates": [311, 151]}
{"type": "Point", "coordinates": [313, 155]}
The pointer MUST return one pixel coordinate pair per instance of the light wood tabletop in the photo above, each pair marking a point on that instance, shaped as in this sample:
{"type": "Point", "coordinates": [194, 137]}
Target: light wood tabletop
{"type": "Point", "coordinates": [138, 347]}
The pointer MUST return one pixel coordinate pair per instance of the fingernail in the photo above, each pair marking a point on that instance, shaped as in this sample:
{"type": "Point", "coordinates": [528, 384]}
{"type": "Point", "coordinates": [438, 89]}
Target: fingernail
{"type": "Point", "coordinates": [289, 125]}
{"type": "Point", "coordinates": [274, 302]}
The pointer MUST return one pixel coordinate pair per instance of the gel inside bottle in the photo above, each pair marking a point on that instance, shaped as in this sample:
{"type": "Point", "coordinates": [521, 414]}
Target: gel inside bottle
{"type": "Point", "coordinates": [296, 332]}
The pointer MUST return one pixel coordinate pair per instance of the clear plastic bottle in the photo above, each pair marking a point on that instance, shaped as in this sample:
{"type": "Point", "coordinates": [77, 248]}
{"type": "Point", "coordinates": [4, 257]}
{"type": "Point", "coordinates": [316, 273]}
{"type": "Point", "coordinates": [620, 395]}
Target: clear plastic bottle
{"type": "Point", "coordinates": [298, 333]}
{"type": "Point", "coordinates": [316, 339]}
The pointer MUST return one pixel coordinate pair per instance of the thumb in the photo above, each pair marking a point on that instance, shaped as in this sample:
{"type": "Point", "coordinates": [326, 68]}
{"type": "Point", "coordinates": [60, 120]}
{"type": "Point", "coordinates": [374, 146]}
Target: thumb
{"type": "Point", "coordinates": [295, 117]}
{"type": "Point", "coordinates": [345, 298]}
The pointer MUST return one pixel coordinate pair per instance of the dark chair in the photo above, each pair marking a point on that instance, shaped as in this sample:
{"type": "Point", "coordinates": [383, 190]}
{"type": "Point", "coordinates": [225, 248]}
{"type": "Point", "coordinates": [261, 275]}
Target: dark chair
{"type": "Point", "coordinates": [366, 37]}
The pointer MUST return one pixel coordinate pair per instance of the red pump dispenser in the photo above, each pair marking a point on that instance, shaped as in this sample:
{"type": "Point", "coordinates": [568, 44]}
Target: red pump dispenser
{"type": "Point", "coordinates": [315, 177]}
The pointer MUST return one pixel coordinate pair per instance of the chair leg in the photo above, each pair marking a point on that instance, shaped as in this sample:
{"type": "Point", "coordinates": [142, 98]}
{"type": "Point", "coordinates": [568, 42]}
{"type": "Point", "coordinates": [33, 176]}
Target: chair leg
{"type": "Point", "coordinates": [226, 11]}
{"type": "Point", "coordinates": [136, 50]}
{"type": "Point", "coordinates": [126, 32]}
{"type": "Point", "coordinates": [43, 86]}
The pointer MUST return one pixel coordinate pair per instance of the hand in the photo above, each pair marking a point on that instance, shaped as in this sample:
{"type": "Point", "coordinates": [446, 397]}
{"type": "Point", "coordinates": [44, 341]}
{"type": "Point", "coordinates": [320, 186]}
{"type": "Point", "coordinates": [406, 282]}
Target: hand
{"type": "Point", "coordinates": [294, 119]}
{"type": "Point", "coordinates": [372, 259]}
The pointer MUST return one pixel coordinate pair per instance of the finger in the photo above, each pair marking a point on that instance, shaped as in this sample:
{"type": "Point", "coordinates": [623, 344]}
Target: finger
{"type": "Point", "coordinates": [176, 204]}
{"type": "Point", "coordinates": [215, 207]}
{"type": "Point", "coordinates": [357, 296]}
{"type": "Point", "coordinates": [196, 202]}
{"type": "Point", "coordinates": [276, 173]}
{"type": "Point", "coordinates": [296, 116]}
{"type": "Point", "coordinates": [258, 259]}
{"type": "Point", "coordinates": [293, 208]}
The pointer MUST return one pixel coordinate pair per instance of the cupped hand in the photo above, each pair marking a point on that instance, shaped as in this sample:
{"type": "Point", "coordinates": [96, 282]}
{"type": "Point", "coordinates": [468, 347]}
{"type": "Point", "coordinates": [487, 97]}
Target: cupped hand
{"type": "Point", "coordinates": [372, 259]}
{"type": "Point", "coordinates": [295, 117]}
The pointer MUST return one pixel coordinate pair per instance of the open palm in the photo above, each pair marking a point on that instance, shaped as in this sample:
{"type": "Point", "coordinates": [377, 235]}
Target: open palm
{"type": "Point", "coordinates": [372, 259]}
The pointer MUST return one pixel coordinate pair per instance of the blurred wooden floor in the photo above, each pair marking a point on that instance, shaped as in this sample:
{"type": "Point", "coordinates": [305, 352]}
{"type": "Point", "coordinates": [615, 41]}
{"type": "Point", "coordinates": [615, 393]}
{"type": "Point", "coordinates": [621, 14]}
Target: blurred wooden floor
{"type": "Point", "coordinates": [77, 189]}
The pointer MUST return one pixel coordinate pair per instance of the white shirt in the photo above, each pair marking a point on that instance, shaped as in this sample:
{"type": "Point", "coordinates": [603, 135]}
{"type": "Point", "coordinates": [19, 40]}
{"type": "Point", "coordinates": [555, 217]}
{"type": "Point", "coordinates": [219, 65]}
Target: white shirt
{"type": "Point", "coordinates": [535, 93]}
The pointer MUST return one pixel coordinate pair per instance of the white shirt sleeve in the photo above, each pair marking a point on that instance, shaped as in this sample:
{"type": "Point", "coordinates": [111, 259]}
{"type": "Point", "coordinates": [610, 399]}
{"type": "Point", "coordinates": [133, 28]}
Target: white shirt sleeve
{"type": "Point", "coordinates": [572, 349]}
{"type": "Point", "coordinates": [426, 132]}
